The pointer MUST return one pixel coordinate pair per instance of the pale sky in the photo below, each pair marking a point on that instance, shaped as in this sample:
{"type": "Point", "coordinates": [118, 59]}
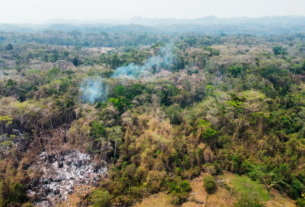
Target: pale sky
{"type": "Point", "coordinates": [38, 11]}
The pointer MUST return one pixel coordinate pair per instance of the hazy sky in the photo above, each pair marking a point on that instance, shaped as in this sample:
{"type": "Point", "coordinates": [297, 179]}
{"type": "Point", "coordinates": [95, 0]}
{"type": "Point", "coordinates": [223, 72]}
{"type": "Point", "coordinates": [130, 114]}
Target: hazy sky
{"type": "Point", "coordinates": [38, 11]}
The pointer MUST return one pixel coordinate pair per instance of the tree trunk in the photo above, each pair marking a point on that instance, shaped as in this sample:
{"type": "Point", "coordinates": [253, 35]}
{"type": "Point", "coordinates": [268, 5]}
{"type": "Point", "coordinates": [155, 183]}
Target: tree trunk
{"type": "Point", "coordinates": [114, 150]}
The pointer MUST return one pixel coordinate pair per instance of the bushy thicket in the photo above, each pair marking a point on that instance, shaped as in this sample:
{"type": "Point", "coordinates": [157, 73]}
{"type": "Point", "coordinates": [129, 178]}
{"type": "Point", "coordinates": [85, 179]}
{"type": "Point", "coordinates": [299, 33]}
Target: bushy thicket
{"type": "Point", "coordinates": [209, 183]}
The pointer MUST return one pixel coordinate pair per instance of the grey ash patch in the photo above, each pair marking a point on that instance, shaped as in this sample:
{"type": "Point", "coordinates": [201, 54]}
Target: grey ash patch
{"type": "Point", "coordinates": [61, 173]}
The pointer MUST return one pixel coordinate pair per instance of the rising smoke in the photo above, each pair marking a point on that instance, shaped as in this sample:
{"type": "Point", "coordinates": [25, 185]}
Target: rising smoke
{"type": "Point", "coordinates": [153, 65]}
{"type": "Point", "coordinates": [94, 89]}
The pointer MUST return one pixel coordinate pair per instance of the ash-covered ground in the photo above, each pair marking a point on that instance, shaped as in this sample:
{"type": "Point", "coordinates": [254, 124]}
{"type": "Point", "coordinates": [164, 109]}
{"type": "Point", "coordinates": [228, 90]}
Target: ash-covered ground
{"type": "Point", "coordinates": [60, 174]}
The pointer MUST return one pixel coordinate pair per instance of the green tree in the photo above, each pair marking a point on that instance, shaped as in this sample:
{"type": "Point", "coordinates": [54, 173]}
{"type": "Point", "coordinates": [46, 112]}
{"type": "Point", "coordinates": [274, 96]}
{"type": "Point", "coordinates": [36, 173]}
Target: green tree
{"type": "Point", "coordinates": [279, 50]}
{"type": "Point", "coordinates": [75, 61]}
{"type": "Point", "coordinates": [235, 70]}
{"type": "Point", "coordinates": [115, 134]}
{"type": "Point", "coordinates": [9, 47]}
{"type": "Point", "coordinates": [120, 103]}
{"type": "Point", "coordinates": [207, 131]}
{"type": "Point", "coordinates": [120, 91]}
{"type": "Point", "coordinates": [209, 184]}
{"type": "Point", "coordinates": [98, 129]}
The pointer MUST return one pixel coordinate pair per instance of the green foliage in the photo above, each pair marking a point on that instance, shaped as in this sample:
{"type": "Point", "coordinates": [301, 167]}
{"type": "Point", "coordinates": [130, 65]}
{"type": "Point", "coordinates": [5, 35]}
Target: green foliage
{"type": "Point", "coordinates": [209, 184]}
{"type": "Point", "coordinates": [300, 202]}
{"type": "Point", "coordinates": [100, 198]}
{"type": "Point", "coordinates": [6, 120]}
{"type": "Point", "coordinates": [18, 68]}
{"type": "Point", "coordinates": [249, 188]}
{"type": "Point", "coordinates": [11, 83]}
{"type": "Point", "coordinates": [217, 168]}
{"type": "Point", "coordinates": [120, 91]}
{"type": "Point", "coordinates": [179, 190]}
{"type": "Point", "coordinates": [11, 194]}
{"type": "Point", "coordinates": [7, 143]}
{"type": "Point", "coordinates": [9, 47]}
{"type": "Point", "coordinates": [207, 131]}
{"type": "Point", "coordinates": [120, 103]}
{"type": "Point", "coordinates": [75, 61]}
{"type": "Point", "coordinates": [213, 52]}
{"type": "Point", "coordinates": [135, 90]}
{"type": "Point", "coordinates": [53, 73]}
{"type": "Point", "coordinates": [98, 129]}
{"type": "Point", "coordinates": [182, 186]}
{"type": "Point", "coordinates": [157, 45]}
{"type": "Point", "coordinates": [33, 71]}
{"type": "Point", "coordinates": [185, 186]}
{"type": "Point", "coordinates": [173, 112]}
{"type": "Point", "coordinates": [235, 70]}
{"type": "Point", "coordinates": [279, 50]}
{"type": "Point", "coordinates": [17, 193]}
{"type": "Point", "coordinates": [210, 90]}
{"type": "Point", "coordinates": [27, 205]}
{"type": "Point", "coordinates": [296, 189]}
{"type": "Point", "coordinates": [248, 200]}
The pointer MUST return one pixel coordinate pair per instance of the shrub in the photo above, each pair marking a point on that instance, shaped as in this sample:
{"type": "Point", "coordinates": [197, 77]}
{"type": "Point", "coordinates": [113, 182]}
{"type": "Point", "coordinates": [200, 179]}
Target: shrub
{"type": "Point", "coordinates": [217, 168]}
{"type": "Point", "coordinates": [213, 169]}
{"type": "Point", "coordinates": [247, 200]}
{"type": "Point", "coordinates": [185, 186]}
{"type": "Point", "coordinates": [178, 198]}
{"type": "Point", "coordinates": [209, 183]}
{"type": "Point", "coordinates": [300, 202]}
{"type": "Point", "coordinates": [179, 190]}
{"type": "Point", "coordinates": [210, 168]}
{"type": "Point", "coordinates": [100, 198]}
{"type": "Point", "coordinates": [296, 189]}
{"type": "Point", "coordinates": [17, 193]}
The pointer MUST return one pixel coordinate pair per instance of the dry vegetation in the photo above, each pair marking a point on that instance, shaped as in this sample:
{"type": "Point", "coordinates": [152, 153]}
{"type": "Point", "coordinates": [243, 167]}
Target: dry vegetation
{"type": "Point", "coordinates": [164, 120]}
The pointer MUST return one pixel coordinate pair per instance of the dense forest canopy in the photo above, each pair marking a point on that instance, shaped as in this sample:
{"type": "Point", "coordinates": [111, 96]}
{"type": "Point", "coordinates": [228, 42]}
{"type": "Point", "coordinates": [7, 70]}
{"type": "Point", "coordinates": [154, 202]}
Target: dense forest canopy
{"type": "Point", "coordinates": [160, 108]}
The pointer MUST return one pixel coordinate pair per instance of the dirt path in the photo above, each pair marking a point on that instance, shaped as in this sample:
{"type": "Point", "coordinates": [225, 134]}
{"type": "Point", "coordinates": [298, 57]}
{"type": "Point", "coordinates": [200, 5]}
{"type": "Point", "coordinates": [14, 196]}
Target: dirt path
{"type": "Point", "coordinates": [198, 193]}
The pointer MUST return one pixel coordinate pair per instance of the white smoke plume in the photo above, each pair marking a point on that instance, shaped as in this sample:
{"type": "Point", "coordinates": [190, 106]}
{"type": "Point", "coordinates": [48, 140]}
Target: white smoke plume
{"type": "Point", "coordinates": [153, 65]}
{"type": "Point", "coordinates": [94, 89]}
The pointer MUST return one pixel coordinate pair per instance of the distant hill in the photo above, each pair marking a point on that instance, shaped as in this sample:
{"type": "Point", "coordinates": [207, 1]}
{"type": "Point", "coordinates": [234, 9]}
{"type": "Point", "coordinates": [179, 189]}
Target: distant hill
{"type": "Point", "coordinates": [209, 20]}
{"type": "Point", "coordinates": [208, 25]}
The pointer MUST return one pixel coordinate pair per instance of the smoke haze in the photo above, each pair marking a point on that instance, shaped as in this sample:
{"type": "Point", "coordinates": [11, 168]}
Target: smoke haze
{"type": "Point", "coordinates": [95, 89]}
